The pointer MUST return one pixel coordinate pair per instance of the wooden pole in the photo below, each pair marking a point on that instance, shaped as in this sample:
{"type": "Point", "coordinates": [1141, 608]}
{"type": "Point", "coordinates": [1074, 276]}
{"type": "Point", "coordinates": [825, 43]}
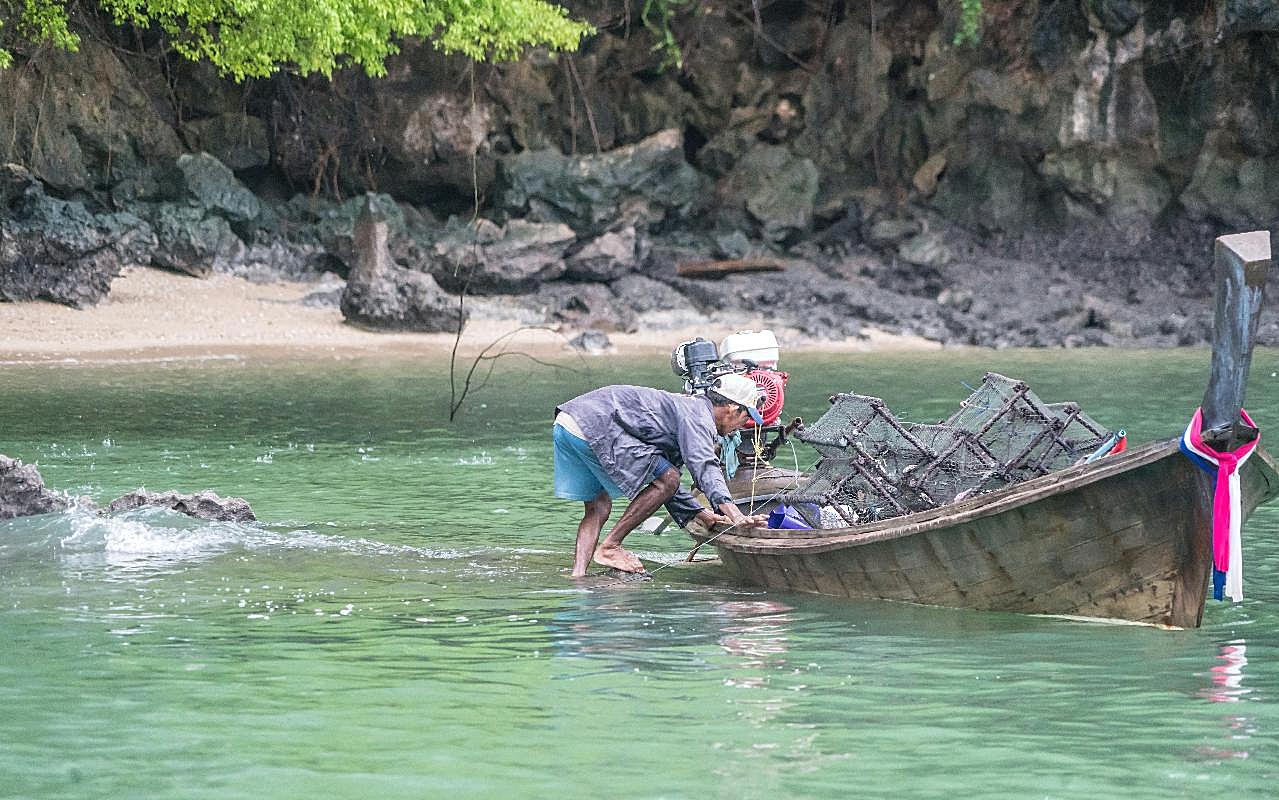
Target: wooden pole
{"type": "Point", "coordinates": [1241, 261]}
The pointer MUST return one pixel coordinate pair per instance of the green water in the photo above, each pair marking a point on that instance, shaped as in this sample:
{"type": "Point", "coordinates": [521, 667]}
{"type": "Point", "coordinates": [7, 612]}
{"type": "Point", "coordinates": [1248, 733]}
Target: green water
{"type": "Point", "coordinates": [401, 622]}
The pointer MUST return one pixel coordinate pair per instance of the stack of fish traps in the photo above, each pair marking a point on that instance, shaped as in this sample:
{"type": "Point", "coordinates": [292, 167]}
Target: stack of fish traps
{"type": "Point", "coordinates": [874, 466]}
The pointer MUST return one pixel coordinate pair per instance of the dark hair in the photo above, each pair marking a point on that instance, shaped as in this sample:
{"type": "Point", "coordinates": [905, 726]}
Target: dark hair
{"type": "Point", "coordinates": [718, 399]}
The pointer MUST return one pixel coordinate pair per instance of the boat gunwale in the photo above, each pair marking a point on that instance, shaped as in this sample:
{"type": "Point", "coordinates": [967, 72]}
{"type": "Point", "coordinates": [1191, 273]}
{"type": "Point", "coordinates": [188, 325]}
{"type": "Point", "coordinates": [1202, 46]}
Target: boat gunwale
{"type": "Point", "coordinates": [768, 540]}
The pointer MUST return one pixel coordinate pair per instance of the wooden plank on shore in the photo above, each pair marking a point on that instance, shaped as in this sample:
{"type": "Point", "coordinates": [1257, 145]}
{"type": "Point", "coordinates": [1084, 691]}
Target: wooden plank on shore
{"type": "Point", "coordinates": [714, 269]}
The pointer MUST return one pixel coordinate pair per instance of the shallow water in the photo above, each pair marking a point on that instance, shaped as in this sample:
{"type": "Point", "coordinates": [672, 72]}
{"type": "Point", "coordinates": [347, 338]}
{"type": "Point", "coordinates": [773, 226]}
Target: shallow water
{"type": "Point", "coordinates": [400, 622]}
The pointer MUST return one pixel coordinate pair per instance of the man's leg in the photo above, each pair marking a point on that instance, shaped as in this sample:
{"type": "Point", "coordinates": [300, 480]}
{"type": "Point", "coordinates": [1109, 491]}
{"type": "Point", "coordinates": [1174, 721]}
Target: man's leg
{"type": "Point", "coordinates": [610, 552]}
{"type": "Point", "coordinates": [588, 530]}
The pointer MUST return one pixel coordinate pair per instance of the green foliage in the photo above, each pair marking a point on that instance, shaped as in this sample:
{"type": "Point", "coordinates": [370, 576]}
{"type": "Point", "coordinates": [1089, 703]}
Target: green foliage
{"type": "Point", "coordinates": [969, 29]}
{"type": "Point", "coordinates": [42, 21]}
{"type": "Point", "coordinates": [656, 16]}
{"type": "Point", "coordinates": [253, 38]}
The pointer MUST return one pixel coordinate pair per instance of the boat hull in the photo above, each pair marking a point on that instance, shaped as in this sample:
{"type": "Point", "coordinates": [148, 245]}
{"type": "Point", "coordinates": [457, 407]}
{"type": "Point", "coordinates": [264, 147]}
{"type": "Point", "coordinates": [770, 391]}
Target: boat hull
{"type": "Point", "coordinates": [1128, 537]}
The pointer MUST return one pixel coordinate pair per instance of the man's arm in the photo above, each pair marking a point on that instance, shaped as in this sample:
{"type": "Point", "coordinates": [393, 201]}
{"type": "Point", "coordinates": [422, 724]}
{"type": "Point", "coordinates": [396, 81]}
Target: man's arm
{"type": "Point", "coordinates": [697, 447]}
{"type": "Point", "coordinates": [683, 507]}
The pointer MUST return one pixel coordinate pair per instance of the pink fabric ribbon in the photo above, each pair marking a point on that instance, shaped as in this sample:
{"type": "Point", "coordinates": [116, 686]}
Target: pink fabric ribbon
{"type": "Point", "coordinates": [1227, 549]}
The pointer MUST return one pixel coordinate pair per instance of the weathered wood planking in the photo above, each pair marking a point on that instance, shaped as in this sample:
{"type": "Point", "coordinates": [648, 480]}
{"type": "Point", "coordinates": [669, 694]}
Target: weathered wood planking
{"type": "Point", "coordinates": [1125, 537]}
{"type": "Point", "coordinates": [1240, 262]}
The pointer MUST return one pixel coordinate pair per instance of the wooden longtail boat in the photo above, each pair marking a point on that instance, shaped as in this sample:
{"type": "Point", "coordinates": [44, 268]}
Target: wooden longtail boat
{"type": "Point", "coordinates": [1125, 537]}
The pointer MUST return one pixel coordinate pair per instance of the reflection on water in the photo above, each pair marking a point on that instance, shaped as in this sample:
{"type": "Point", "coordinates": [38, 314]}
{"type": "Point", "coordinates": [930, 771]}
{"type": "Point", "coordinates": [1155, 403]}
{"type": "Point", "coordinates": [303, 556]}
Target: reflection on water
{"type": "Point", "coordinates": [1226, 678]}
{"type": "Point", "coordinates": [755, 630]}
{"type": "Point", "coordinates": [1225, 686]}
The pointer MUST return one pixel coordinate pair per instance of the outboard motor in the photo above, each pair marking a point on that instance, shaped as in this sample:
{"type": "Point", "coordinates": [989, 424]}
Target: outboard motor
{"type": "Point", "coordinates": [697, 362]}
{"type": "Point", "coordinates": [750, 353]}
{"type": "Point", "coordinates": [756, 353]}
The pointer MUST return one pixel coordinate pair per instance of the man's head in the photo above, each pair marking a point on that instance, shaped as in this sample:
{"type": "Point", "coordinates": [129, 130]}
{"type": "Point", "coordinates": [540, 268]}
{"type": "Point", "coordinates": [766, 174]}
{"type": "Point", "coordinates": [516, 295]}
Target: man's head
{"type": "Point", "coordinates": [738, 397]}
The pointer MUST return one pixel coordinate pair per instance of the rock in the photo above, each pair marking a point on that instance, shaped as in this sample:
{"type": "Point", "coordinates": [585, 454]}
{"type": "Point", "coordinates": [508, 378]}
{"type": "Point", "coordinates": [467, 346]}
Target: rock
{"type": "Point", "coordinates": [892, 232]}
{"type": "Point", "coordinates": [646, 296]}
{"type": "Point", "coordinates": [988, 193]}
{"type": "Point", "coordinates": [1117, 190]}
{"type": "Point", "coordinates": [56, 250]}
{"type": "Point", "coordinates": [331, 226]}
{"type": "Point", "coordinates": [1010, 94]}
{"type": "Point", "coordinates": [193, 243]}
{"type": "Point", "coordinates": [82, 121]}
{"type": "Point", "coordinates": [22, 491]}
{"type": "Point", "coordinates": [202, 505]}
{"type": "Point", "coordinates": [209, 184]}
{"type": "Point", "coordinates": [400, 300]}
{"type": "Point", "coordinates": [586, 306]}
{"type": "Point", "coordinates": [959, 299]}
{"type": "Point", "coordinates": [236, 139]}
{"type": "Point", "coordinates": [434, 138]}
{"type": "Point", "coordinates": [280, 260]}
{"type": "Point", "coordinates": [927, 249]}
{"type": "Point", "coordinates": [1235, 17]}
{"type": "Point", "coordinates": [486, 258]}
{"type": "Point", "coordinates": [1059, 30]}
{"type": "Point", "coordinates": [733, 245]}
{"type": "Point", "coordinates": [641, 185]}
{"type": "Point", "coordinates": [604, 258]}
{"type": "Point", "coordinates": [380, 295]}
{"type": "Point", "coordinates": [779, 190]}
{"type": "Point", "coordinates": [925, 178]}
{"type": "Point", "coordinates": [593, 342]}
{"type": "Point", "coordinates": [1240, 194]}
{"type": "Point", "coordinates": [1117, 16]}
{"type": "Point", "coordinates": [329, 297]}
{"type": "Point", "coordinates": [847, 98]}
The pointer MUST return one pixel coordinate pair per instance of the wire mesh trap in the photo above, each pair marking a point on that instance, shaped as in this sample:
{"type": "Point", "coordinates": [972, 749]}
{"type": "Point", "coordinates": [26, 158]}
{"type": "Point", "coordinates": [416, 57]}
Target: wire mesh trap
{"type": "Point", "coordinates": [874, 466]}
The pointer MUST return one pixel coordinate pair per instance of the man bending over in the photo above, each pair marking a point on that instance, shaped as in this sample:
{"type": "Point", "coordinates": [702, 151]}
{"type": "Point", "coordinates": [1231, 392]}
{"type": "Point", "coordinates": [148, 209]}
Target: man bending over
{"type": "Point", "coordinates": [631, 440]}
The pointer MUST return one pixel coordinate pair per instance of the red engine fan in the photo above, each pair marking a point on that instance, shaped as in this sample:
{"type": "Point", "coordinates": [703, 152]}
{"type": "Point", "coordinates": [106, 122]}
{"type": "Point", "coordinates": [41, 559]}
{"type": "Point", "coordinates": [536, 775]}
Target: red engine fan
{"type": "Point", "coordinates": [772, 385]}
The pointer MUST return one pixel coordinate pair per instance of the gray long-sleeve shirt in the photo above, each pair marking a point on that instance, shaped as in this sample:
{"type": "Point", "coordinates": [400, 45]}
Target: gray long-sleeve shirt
{"type": "Point", "coordinates": [628, 427]}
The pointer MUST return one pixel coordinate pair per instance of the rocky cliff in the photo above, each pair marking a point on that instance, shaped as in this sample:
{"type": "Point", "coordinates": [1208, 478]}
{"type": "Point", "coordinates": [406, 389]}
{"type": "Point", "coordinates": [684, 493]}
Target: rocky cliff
{"type": "Point", "coordinates": [1058, 182]}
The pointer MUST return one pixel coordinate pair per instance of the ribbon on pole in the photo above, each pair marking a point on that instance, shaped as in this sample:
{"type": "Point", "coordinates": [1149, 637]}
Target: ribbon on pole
{"type": "Point", "coordinates": [1227, 549]}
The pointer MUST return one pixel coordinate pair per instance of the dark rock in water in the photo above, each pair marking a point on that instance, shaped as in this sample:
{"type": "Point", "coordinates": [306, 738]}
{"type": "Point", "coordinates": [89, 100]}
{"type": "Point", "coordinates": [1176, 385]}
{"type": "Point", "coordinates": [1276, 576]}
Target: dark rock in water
{"type": "Point", "coordinates": [485, 258]}
{"type": "Point", "coordinates": [642, 185]}
{"type": "Point", "coordinates": [203, 505]}
{"type": "Point", "coordinates": [592, 341]}
{"type": "Point", "coordinates": [22, 491]}
{"type": "Point", "coordinates": [622, 576]}
{"type": "Point", "coordinates": [382, 296]}
{"type": "Point", "coordinates": [56, 250]}
{"type": "Point", "coordinates": [22, 494]}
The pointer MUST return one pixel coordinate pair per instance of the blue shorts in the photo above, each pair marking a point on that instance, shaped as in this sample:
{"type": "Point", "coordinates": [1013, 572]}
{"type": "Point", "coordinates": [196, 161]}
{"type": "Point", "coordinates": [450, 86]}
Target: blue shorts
{"type": "Point", "coordinates": [579, 474]}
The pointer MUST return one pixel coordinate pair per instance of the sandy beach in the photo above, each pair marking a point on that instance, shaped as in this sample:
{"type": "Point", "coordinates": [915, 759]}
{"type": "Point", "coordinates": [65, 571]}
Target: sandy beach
{"type": "Point", "coordinates": [155, 314]}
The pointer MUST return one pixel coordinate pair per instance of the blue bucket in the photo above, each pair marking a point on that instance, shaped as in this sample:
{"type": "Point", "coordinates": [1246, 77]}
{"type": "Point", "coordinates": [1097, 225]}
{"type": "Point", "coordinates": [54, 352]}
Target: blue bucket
{"type": "Point", "coordinates": [786, 518]}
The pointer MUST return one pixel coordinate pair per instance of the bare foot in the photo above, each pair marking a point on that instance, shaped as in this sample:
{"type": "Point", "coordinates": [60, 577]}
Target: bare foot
{"type": "Point", "coordinates": [618, 558]}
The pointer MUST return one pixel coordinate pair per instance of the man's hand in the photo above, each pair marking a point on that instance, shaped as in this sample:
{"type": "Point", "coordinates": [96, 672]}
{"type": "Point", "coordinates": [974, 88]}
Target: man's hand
{"type": "Point", "coordinates": [710, 518]}
{"type": "Point", "coordinates": [734, 516]}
